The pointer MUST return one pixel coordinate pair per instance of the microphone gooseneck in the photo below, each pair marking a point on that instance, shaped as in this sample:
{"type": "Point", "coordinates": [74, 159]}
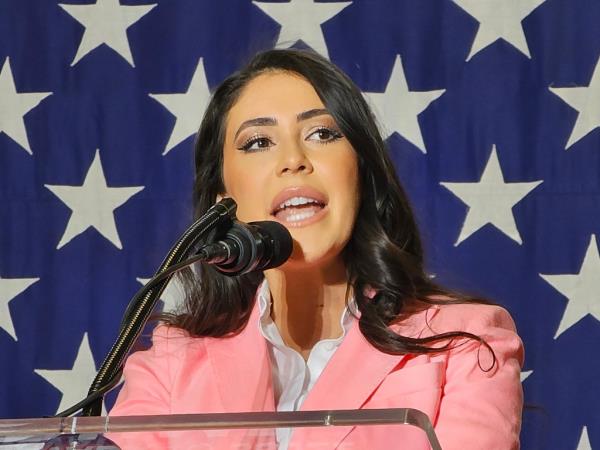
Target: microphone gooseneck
{"type": "Point", "coordinates": [243, 248]}
{"type": "Point", "coordinates": [142, 305]}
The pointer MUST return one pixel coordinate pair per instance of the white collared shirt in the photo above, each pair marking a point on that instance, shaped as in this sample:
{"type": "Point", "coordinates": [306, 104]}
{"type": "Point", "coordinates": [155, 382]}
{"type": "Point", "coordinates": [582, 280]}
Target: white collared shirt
{"type": "Point", "coordinates": [293, 377]}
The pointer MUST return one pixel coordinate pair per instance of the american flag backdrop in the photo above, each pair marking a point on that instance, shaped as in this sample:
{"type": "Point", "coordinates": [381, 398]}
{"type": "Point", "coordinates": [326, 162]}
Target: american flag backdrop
{"type": "Point", "coordinates": [491, 110]}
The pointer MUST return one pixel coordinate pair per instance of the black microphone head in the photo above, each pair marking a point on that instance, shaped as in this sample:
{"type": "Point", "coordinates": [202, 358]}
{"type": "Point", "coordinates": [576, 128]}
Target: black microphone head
{"type": "Point", "coordinates": [278, 243]}
{"type": "Point", "coordinates": [253, 247]}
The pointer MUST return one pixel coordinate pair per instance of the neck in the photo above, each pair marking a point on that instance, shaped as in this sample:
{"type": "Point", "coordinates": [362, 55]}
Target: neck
{"type": "Point", "coordinates": [308, 304]}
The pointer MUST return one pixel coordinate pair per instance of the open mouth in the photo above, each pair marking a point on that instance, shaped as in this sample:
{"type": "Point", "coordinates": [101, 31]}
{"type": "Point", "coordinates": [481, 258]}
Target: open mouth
{"type": "Point", "coordinates": [298, 209]}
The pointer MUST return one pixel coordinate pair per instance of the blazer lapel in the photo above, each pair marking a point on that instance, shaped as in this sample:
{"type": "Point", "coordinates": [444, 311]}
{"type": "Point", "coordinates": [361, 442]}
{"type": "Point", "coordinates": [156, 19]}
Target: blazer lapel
{"type": "Point", "coordinates": [242, 373]}
{"type": "Point", "coordinates": [355, 370]}
{"type": "Point", "coordinates": [242, 370]}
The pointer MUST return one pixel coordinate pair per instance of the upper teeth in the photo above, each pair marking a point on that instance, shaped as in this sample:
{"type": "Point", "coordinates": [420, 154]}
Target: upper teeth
{"type": "Point", "coordinates": [295, 201]}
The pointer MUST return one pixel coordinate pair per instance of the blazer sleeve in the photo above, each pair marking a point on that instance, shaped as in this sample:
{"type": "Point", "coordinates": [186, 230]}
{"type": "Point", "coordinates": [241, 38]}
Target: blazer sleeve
{"type": "Point", "coordinates": [146, 391]}
{"type": "Point", "coordinates": [481, 407]}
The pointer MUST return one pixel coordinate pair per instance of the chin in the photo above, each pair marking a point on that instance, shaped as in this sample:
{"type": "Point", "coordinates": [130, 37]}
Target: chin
{"type": "Point", "coordinates": [305, 255]}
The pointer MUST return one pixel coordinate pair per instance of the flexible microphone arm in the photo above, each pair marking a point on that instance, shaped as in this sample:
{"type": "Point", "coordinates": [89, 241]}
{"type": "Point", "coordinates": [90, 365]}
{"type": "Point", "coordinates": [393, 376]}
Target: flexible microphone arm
{"type": "Point", "coordinates": [139, 311]}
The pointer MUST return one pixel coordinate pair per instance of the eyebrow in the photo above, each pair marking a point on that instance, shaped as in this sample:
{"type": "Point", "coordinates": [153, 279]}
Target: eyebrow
{"type": "Point", "coordinates": [311, 113]}
{"type": "Point", "coordinates": [271, 121]}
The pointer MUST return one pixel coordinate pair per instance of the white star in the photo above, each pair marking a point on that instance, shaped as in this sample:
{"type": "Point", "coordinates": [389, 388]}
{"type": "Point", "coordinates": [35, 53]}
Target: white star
{"type": "Point", "coordinates": [586, 100]}
{"type": "Point", "coordinates": [584, 441]}
{"type": "Point", "coordinates": [73, 383]}
{"type": "Point", "coordinates": [187, 107]}
{"type": "Point", "coordinates": [398, 108]}
{"type": "Point", "coordinates": [301, 20]}
{"type": "Point", "coordinates": [106, 22]}
{"type": "Point", "coordinates": [171, 296]}
{"type": "Point", "coordinates": [582, 290]}
{"type": "Point", "coordinates": [499, 19]}
{"type": "Point", "coordinates": [93, 204]}
{"type": "Point", "coordinates": [490, 200]}
{"type": "Point", "coordinates": [9, 289]}
{"type": "Point", "coordinates": [525, 374]}
{"type": "Point", "coordinates": [15, 106]}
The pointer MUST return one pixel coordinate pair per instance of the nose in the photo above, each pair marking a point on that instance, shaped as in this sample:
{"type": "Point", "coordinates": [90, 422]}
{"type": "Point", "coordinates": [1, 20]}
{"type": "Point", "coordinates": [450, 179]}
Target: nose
{"type": "Point", "coordinates": [293, 159]}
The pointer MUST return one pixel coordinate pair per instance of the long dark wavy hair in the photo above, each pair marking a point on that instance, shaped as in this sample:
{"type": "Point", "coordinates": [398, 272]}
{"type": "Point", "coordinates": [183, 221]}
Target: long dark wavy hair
{"type": "Point", "coordinates": [384, 253]}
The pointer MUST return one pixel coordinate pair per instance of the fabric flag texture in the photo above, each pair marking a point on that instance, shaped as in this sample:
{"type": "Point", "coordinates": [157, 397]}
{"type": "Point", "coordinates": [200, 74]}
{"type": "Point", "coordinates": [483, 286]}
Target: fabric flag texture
{"type": "Point", "coordinates": [490, 108]}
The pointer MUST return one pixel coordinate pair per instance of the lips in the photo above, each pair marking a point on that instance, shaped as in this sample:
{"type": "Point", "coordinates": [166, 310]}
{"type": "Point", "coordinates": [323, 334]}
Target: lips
{"type": "Point", "coordinates": [297, 206]}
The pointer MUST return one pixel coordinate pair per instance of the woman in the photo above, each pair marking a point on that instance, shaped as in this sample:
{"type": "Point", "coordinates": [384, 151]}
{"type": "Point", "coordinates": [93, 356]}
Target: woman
{"type": "Point", "coordinates": [351, 320]}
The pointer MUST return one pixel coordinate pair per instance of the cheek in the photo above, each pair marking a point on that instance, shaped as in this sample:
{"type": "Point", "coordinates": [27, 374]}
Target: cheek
{"type": "Point", "coordinates": [248, 208]}
{"type": "Point", "coordinates": [347, 184]}
{"type": "Point", "coordinates": [245, 184]}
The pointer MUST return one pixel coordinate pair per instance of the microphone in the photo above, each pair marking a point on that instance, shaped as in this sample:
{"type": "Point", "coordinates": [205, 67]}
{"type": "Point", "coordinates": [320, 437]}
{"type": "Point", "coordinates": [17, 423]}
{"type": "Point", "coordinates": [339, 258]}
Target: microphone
{"type": "Point", "coordinates": [249, 247]}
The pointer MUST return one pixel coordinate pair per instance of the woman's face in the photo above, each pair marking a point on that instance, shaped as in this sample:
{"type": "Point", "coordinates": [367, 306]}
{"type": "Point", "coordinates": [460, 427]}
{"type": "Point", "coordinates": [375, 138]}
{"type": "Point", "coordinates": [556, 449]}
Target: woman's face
{"type": "Point", "coordinates": [285, 159]}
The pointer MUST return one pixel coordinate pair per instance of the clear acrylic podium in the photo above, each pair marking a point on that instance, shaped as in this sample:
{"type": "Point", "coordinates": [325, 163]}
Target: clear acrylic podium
{"type": "Point", "coordinates": [89, 432]}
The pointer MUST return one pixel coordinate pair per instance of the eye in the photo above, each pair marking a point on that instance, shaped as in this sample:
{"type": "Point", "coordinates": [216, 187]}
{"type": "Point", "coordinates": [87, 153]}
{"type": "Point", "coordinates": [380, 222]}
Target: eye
{"type": "Point", "coordinates": [256, 143]}
{"type": "Point", "coordinates": [324, 135]}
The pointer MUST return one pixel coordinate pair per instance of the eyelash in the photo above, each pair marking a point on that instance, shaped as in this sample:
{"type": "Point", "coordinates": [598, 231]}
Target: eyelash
{"type": "Point", "coordinates": [259, 138]}
{"type": "Point", "coordinates": [334, 134]}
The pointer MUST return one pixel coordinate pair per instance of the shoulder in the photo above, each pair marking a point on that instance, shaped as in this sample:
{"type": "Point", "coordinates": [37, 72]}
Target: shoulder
{"type": "Point", "coordinates": [475, 318]}
{"type": "Point", "coordinates": [159, 365]}
{"type": "Point", "coordinates": [482, 371]}
{"type": "Point", "coordinates": [170, 346]}
{"type": "Point", "coordinates": [164, 336]}
{"type": "Point", "coordinates": [470, 317]}
{"type": "Point", "coordinates": [488, 325]}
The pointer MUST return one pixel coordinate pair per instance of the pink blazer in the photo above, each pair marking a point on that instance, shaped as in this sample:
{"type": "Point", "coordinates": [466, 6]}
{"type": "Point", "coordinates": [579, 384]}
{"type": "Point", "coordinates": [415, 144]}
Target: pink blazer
{"type": "Point", "coordinates": [470, 409]}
